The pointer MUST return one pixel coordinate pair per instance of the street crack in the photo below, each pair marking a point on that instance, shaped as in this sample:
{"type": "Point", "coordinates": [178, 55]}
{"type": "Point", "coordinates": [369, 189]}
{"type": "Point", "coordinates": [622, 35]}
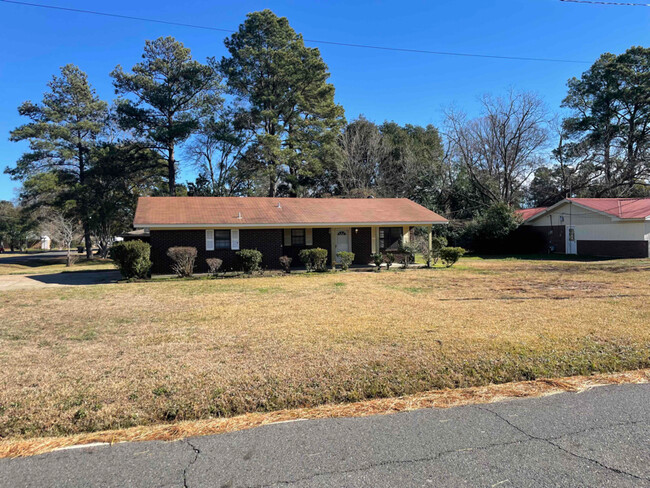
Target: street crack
{"type": "Point", "coordinates": [435, 457]}
{"type": "Point", "coordinates": [557, 446]}
{"type": "Point", "coordinates": [197, 451]}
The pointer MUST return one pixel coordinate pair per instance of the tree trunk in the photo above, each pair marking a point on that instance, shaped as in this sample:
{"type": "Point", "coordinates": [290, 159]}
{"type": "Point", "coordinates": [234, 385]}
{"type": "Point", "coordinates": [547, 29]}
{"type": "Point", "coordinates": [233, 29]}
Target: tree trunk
{"type": "Point", "coordinates": [88, 242]}
{"type": "Point", "coordinates": [84, 205]}
{"type": "Point", "coordinates": [171, 169]}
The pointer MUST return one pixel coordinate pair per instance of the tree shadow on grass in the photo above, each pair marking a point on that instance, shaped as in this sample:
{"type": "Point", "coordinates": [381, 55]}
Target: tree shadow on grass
{"type": "Point", "coordinates": [78, 278]}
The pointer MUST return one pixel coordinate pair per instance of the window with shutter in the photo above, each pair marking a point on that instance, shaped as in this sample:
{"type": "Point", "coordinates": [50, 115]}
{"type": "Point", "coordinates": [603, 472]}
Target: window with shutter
{"type": "Point", "coordinates": [209, 240]}
{"type": "Point", "coordinates": [297, 237]}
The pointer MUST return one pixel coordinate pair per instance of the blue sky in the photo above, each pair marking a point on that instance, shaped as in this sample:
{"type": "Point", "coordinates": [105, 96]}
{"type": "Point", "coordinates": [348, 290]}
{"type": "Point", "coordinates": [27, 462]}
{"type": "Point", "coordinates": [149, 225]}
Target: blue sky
{"type": "Point", "coordinates": [404, 87]}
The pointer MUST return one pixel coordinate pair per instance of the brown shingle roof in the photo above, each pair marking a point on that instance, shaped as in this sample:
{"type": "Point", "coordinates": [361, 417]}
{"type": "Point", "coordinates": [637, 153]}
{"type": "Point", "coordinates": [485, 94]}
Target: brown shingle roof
{"type": "Point", "coordinates": [258, 211]}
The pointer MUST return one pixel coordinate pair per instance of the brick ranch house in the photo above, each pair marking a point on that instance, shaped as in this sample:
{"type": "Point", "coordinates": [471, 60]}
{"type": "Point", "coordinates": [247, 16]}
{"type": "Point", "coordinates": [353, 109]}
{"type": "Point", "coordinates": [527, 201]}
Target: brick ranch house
{"type": "Point", "coordinates": [609, 227]}
{"type": "Point", "coordinates": [220, 226]}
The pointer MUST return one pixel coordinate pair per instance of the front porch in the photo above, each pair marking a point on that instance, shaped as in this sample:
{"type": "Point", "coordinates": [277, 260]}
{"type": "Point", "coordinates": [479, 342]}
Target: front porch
{"type": "Point", "coordinates": [363, 241]}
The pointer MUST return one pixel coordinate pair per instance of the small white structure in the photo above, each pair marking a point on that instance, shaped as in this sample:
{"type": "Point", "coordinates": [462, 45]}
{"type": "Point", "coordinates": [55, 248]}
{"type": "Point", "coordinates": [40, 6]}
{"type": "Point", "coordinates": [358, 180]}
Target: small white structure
{"type": "Point", "coordinates": [612, 227]}
{"type": "Point", "coordinates": [46, 242]}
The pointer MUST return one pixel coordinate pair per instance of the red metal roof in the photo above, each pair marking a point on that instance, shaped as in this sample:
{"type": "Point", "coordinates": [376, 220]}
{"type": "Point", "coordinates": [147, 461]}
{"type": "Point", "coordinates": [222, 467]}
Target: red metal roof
{"type": "Point", "coordinates": [258, 211]}
{"type": "Point", "coordinates": [527, 213]}
{"type": "Point", "coordinates": [623, 208]}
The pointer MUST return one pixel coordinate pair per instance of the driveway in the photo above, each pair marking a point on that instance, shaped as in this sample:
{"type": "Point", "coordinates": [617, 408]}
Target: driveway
{"type": "Point", "coordinates": [597, 438]}
{"type": "Point", "coordinates": [73, 278]}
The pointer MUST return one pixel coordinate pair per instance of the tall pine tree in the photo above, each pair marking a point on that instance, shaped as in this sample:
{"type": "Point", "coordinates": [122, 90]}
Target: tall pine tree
{"type": "Point", "coordinates": [164, 96]}
{"type": "Point", "coordinates": [283, 85]}
{"type": "Point", "coordinates": [63, 130]}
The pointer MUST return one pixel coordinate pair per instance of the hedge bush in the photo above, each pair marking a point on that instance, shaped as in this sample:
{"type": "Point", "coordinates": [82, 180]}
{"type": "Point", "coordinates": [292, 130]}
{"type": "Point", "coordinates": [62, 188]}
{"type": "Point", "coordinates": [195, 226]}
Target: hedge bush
{"type": "Point", "coordinates": [346, 259]}
{"type": "Point", "coordinates": [285, 262]}
{"type": "Point", "coordinates": [214, 264]}
{"type": "Point", "coordinates": [251, 260]}
{"type": "Point", "coordinates": [450, 255]}
{"type": "Point", "coordinates": [407, 255]}
{"type": "Point", "coordinates": [314, 259]}
{"type": "Point", "coordinates": [183, 260]}
{"type": "Point", "coordinates": [378, 260]}
{"type": "Point", "coordinates": [132, 258]}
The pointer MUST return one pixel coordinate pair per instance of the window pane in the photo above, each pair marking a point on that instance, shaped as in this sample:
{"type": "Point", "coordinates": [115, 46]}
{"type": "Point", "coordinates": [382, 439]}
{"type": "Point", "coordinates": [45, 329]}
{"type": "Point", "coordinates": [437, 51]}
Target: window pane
{"type": "Point", "coordinates": [390, 238]}
{"type": "Point", "coordinates": [297, 237]}
{"type": "Point", "coordinates": [222, 239]}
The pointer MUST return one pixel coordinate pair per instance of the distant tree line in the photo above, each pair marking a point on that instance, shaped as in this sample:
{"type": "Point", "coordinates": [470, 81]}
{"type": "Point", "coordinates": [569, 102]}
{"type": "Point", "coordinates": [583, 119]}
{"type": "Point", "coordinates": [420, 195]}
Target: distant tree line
{"type": "Point", "coordinates": [263, 121]}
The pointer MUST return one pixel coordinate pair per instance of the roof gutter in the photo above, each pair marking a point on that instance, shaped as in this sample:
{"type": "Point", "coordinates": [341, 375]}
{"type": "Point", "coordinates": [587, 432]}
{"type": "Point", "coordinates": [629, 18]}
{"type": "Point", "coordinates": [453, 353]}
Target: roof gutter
{"type": "Point", "coordinates": [285, 226]}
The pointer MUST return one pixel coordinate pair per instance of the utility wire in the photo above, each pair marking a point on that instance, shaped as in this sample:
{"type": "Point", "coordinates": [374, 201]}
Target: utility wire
{"type": "Point", "coordinates": [312, 41]}
{"type": "Point", "coordinates": [610, 4]}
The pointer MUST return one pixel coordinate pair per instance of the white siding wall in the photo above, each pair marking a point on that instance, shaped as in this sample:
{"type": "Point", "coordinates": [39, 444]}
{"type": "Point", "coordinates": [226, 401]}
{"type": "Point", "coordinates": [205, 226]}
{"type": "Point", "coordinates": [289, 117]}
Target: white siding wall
{"type": "Point", "coordinates": [573, 215]}
{"type": "Point", "coordinates": [593, 226]}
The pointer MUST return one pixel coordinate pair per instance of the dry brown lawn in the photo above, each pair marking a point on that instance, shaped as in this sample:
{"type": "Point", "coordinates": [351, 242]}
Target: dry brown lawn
{"type": "Point", "coordinates": [90, 358]}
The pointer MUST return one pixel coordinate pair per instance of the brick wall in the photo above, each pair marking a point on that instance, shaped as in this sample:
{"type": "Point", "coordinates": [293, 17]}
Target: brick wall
{"type": "Point", "coordinates": [267, 241]}
{"type": "Point", "coordinates": [320, 238]}
{"type": "Point", "coordinates": [553, 235]}
{"type": "Point", "coordinates": [614, 249]}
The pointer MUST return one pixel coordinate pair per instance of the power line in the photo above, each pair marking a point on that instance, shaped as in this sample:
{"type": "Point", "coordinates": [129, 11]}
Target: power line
{"type": "Point", "coordinates": [312, 41]}
{"type": "Point", "coordinates": [611, 4]}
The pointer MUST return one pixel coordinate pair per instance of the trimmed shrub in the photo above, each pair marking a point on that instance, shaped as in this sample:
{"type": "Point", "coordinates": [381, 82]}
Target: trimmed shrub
{"type": "Point", "coordinates": [346, 259]}
{"type": "Point", "coordinates": [183, 258]}
{"type": "Point", "coordinates": [214, 264]}
{"type": "Point", "coordinates": [407, 255]}
{"type": "Point", "coordinates": [320, 259]}
{"type": "Point", "coordinates": [132, 258]}
{"type": "Point", "coordinates": [251, 259]}
{"type": "Point", "coordinates": [389, 259]}
{"type": "Point", "coordinates": [378, 260]}
{"type": "Point", "coordinates": [450, 255]}
{"type": "Point", "coordinates": [285, 262]}
{"type": "Point", "coordinates": [314, 259]}
{"type": "Point", "coordinates": [307, 259]}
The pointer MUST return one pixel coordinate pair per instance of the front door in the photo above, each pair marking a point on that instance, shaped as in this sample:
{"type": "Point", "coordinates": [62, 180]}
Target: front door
{"type": "Point", "coordinates": [571, 247]}
{"type": "Point", "coordinates": [342, 243]}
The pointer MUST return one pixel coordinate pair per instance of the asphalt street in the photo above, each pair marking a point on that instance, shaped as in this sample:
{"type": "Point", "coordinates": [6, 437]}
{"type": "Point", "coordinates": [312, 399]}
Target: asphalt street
{"type": "Point", "coordinates": [600, 437]}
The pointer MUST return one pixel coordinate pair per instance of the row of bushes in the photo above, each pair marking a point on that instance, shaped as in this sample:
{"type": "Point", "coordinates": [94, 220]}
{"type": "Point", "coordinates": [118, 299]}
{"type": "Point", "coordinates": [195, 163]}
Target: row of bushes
{"type": "Point", "coordinates": [133, 258]}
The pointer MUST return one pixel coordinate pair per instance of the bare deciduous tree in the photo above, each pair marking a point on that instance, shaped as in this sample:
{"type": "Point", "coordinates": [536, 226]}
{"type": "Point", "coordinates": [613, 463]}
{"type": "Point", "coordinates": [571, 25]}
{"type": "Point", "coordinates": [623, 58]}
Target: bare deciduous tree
{"type": "Point", "coordinates": [502, 147]}
{"type": "Point", "coordinates": [217, 151]}
{"type": "Point", "coordinates": [363, 153]}
{"type": "Point", "coordinates": [63, 230]}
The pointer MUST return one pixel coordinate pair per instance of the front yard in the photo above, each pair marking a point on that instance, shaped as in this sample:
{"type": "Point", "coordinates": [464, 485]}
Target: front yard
{"type": "Point", "coordinates": [87, 358]}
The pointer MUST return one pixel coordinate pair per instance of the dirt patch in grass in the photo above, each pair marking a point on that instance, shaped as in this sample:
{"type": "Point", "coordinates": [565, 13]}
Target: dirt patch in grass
{"type": "Point", "coordinates": [88, 359]}
{"type": "Point", "coordinates": [431, 399]}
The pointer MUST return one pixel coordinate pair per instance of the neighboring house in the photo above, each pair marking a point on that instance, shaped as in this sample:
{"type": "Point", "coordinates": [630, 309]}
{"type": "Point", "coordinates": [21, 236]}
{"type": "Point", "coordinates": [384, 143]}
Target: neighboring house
{"type": "Point", "coordinates": [134, 235]}
{"type": "Point", "coordinates": [220, 226]}
{"type": "Point", "coordinates": [611, 227]}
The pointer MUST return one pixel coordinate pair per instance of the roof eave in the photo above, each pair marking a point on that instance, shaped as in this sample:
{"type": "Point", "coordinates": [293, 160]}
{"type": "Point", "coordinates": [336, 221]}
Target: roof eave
{"type": "Point", "coordinates": [282, 225]}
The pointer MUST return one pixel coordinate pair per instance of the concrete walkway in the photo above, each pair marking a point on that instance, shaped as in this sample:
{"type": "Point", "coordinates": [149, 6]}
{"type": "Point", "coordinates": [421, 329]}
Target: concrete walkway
{"type": "Point", "coordinates": [597, 438]}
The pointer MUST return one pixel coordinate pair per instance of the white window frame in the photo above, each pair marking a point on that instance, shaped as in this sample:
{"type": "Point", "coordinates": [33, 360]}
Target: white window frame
{"type": "Point", "coordinates": [234, 239]}
{"type": "Point", "coordinates": [209, 239]}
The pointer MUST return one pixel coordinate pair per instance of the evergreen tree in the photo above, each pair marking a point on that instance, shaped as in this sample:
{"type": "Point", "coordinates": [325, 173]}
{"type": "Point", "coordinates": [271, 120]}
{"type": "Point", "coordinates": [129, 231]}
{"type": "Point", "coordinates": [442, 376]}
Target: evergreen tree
{"type": "Point", "coordinates": [62, 132]}
{"type": "Point", "coordinates": [283, 85]}
{"type": "Point", "coordinates": [609, 128]}
{"type": "Point", "coordinates": [165, 96]}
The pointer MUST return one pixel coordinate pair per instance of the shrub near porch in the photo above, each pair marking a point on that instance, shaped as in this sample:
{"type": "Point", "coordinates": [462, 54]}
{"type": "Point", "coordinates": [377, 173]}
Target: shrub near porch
{"type": "Point", "coordinates": [97, 357]}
